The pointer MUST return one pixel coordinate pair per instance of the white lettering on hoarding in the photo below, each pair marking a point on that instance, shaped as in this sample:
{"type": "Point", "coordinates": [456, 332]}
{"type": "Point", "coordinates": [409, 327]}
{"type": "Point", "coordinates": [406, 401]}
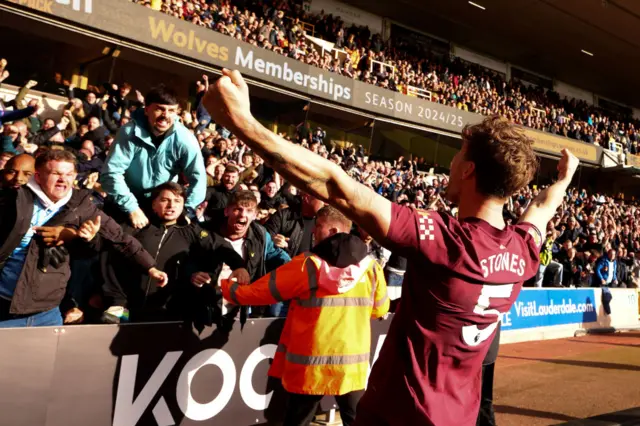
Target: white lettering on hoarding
{"type": "Point", "coordinates": [253, 399]}
{"type": "Point", "coordinates": [192, 408]}
{"type": "Point", "coordinates": [405, 108]}
{"type": "Point", "coordinates": [284, 72]}
{"type": "Point", "coordinates": [76, 4]}
{"type": "Point", "coordinates": [532, 309]}
{"type": "Point", "coordinates": [129, 410]}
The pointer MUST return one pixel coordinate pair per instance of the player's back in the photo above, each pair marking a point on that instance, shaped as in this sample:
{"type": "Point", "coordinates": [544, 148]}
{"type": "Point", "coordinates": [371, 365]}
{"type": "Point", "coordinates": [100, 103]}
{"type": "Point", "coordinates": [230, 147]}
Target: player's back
{"type": "Point", "coordinates": [460, 277]}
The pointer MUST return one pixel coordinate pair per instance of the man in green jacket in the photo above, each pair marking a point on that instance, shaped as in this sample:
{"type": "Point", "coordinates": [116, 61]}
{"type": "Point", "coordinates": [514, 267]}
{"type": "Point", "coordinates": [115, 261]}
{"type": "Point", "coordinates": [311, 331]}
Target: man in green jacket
{"type": "Point", "coordinates": [152, 149]}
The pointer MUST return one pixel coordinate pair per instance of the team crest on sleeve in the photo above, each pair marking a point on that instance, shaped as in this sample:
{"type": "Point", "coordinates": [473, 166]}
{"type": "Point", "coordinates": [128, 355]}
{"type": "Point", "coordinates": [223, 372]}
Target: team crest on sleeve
{"type": "Point", "coordinates": [537, 238]}
{"type": "Point", "coordinates": [425, 226]}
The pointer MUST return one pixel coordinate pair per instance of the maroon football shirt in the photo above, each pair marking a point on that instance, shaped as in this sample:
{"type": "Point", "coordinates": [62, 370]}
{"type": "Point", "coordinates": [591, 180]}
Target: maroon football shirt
{"type": "Point", "coordinates": [460, 277]}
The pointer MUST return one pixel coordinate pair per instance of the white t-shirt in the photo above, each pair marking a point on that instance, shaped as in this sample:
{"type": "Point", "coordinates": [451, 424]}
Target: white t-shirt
{"type": "Point", "coordinates": [238, 246]}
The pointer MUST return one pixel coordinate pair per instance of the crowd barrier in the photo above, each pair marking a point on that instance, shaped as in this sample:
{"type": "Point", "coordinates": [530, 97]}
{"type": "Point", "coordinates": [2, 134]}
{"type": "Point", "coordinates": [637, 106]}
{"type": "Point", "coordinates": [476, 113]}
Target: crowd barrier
{"type": "Point", "coordinates": [550, 313]}
{"type": "Point", "coordinates": [168, 374]}
{"type": "Point", "coordinates": [53, 104]}
{"type": "Point", "coordinates": [144, 374]}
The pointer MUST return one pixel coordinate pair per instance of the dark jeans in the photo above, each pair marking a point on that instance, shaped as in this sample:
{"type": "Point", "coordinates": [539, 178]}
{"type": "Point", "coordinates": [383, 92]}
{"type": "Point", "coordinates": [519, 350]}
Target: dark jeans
{"type": "Point", "coordinates": [393, 279]}
{"type": "Point", "coordinates": [279, 310]}
{"type": "Point", "coordinates": [486, 416]}
{"type": "Point", "coordinates": [301, 409]}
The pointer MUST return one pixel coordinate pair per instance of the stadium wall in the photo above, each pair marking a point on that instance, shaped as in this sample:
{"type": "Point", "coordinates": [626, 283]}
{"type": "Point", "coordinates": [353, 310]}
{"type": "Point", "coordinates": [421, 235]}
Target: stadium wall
{"type": "Point", "coordinates": [479, 59]}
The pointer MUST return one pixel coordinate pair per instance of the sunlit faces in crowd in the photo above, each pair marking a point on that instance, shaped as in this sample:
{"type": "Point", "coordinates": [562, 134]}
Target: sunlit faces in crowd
{"type": "Point", "coordinates": [55, 173]}
{"type": "Point", "coordinates": [17, 171]}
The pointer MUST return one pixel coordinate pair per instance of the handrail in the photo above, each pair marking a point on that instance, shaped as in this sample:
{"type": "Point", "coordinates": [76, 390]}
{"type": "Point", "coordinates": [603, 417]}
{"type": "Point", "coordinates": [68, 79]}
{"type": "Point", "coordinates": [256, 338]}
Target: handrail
{"type": "Point", "coordinates": [419, 93]}
{"type": "Point", "coordinates": [383, 64]}
{"type": "Point", "coordinates": [305, 26]}
{"type": "Point", "coordinates": [541, 113]}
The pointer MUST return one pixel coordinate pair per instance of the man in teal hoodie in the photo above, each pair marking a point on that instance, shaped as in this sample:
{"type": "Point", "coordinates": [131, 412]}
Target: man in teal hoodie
{"type": "Point", "coordinates": [152, 149]}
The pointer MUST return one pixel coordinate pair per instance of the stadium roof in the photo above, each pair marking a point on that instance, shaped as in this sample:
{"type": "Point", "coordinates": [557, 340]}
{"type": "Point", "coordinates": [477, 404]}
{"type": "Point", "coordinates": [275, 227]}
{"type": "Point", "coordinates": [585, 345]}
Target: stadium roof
{"type": "Point", "coordinates": [544, 36]}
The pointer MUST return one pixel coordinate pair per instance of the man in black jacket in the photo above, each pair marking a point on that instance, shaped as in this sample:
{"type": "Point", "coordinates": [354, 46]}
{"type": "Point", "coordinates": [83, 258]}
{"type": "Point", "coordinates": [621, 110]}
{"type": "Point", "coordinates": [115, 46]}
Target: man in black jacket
{"type": "Point", "coordinates": [236, 223]}
{"type": "Point", "coordinates": [218, 196]}
{"type": "Point", "coordinates": [175, 241]}
{"type": "Point", "coordinates": [292, 228]}
{"type": "Point", "coordinates": [17, 171]}
{"type": "Point", "coordinates": [35, 220]}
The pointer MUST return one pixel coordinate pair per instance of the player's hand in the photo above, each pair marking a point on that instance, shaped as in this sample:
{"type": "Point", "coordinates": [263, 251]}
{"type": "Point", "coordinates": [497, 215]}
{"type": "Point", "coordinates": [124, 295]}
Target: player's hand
{"type": "Point", "coordinates": [280, 241]}
{"type": "Point", "coordinates": [200, 278]}
{"type": "Point", "coordinates": [205, 77]}
{"type": "Point", "coordinates": [138, 219]}
{"type": "Point", "coordinates": [568, 165]}
{"type": "Point", "coordinates": [241, 276]}
{"type": "Point", "coordinates": [89, 229]}
{"type": "Point", "coordinates": [228, 100]}
{"type": "Point", "coordinates": [55, 235]}
{"type": "Point", "coordinates": [159, 276]}
{"type": "Point", "coordinates": [73, 316]}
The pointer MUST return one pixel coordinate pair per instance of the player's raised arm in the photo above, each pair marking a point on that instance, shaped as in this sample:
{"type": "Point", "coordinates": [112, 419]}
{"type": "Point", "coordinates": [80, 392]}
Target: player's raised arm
{"type": "Point", "coordinates": [544, 206]}
{"type": "Point", "coordinates": [228, 102]}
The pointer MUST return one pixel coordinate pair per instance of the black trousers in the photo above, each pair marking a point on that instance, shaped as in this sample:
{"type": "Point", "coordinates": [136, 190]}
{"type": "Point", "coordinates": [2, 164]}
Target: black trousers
{"type": "Point", "coordinates": [301, 409]}
{"type": "Point", "coordinates": [486, 416]}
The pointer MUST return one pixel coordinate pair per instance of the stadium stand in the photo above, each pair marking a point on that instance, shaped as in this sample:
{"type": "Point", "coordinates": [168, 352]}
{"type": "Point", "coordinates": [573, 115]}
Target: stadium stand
{"type": "Point", "coordinates": [283, 27]}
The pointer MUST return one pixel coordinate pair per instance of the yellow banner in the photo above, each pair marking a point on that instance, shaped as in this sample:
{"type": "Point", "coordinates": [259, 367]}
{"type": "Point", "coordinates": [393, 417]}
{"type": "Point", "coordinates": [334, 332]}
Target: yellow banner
{"type": "Point", "coordinates": [633, 160]}
{"type": "Point", "coordinates": [555, 144]}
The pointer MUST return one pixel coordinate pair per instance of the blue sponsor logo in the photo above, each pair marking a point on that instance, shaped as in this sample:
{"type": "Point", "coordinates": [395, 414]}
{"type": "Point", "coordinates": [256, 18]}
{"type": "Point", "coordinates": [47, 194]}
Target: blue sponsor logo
{"type": "Point", "coordinates": [543, 308]}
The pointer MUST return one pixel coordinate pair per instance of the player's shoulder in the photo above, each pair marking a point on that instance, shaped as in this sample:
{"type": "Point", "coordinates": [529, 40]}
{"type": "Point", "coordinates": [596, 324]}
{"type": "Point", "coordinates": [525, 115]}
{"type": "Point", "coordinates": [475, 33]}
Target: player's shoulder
{"type": "Point", "coordinates": [527, 231]}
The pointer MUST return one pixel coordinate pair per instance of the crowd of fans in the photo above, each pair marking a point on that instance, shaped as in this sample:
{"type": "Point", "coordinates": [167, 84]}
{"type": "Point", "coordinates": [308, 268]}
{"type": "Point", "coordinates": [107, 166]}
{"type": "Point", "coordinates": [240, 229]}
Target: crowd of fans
{"type": "Point", "coordinates": [279, 25]}
{"type": "Point", "coordinates": [203, 206]}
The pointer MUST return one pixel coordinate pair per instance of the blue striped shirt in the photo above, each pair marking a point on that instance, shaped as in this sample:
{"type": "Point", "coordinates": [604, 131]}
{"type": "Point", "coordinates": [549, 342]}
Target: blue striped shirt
{"type": "Point", "coordinates": [13, 266]}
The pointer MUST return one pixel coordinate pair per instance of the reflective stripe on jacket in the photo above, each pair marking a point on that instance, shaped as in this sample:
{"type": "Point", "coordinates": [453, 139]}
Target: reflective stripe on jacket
{"type": "Point", "coordinates": [324, 347]}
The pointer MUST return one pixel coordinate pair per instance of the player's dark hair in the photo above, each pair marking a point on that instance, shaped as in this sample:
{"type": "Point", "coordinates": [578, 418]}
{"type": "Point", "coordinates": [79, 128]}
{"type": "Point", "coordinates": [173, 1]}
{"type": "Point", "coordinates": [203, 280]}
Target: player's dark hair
{"type": "Point", "coordinates": [503, 156]}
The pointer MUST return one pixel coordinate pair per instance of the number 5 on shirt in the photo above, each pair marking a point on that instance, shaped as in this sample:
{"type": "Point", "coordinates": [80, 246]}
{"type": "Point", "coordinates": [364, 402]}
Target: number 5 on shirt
{"type": "Point", "coordinates": [471, 334]}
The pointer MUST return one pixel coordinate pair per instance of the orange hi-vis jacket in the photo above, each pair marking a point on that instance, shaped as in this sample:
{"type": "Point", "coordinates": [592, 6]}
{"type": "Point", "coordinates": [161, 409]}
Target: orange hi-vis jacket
{"type": "Point", "coordinates": [325, 344]}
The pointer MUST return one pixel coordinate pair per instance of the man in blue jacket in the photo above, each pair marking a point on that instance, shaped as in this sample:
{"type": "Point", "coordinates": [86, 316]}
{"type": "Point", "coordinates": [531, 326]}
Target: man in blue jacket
{"type": "Point", "coordinates": [152, 149]}
{"type": "Point", "coordinates": [606, 271]}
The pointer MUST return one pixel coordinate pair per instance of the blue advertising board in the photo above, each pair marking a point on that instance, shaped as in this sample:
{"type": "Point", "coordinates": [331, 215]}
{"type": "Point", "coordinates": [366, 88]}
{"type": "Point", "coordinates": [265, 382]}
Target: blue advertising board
{"type": "Point", "coordinates": [547, 307]}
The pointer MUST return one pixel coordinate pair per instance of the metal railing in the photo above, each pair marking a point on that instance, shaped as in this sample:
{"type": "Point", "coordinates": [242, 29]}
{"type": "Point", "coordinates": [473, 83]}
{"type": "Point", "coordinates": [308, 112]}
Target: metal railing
{"type": "Point", "coordinates": [383, 65]}
{"type": "Point", "coordinates": [419, 93]}
{"type": "Point", "coordinates": [307, 27]}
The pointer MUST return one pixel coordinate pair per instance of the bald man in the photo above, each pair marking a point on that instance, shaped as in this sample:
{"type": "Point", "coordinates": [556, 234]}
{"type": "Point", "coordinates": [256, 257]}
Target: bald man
{"type": "Point", "coordinates": [17, 171]}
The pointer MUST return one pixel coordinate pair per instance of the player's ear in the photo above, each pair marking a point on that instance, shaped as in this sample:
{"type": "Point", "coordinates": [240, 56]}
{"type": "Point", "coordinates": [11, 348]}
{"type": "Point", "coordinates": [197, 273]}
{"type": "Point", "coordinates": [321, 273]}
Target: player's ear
{"type": "Point", "coordinates": [468, 169]}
